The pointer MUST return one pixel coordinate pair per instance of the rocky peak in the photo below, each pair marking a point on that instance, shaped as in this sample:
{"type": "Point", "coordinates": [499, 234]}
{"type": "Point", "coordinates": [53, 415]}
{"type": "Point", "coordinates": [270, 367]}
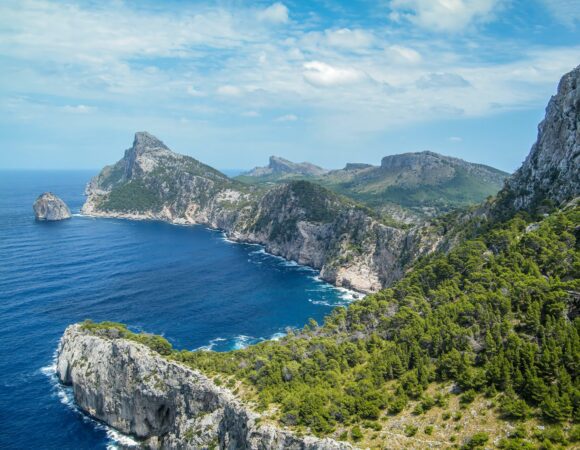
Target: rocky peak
{"type": "Point", "coordinates": [50, 207]}
{"type": "Point", "coordinates": [280, 166]}
{"type": "Point", "coordinates": [143, 143]}
{"type": "Point", "coordinates": [551, 172]}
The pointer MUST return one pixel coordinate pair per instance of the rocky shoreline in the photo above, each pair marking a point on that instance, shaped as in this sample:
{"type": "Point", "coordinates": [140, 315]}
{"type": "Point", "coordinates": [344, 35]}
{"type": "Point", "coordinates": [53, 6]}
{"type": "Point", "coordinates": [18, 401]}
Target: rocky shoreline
{"type": "Point", "coordinates": [161, 403]}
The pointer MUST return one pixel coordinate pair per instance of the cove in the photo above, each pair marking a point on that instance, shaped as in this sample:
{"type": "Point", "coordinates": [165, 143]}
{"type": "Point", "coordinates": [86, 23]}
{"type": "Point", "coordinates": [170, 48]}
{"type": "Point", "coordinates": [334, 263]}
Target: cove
{"type": "Point", "coordinates": [187, 283]}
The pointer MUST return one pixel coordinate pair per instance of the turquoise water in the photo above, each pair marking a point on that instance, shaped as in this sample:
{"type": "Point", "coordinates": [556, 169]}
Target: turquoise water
{"type": "Point", "coordinates": [187, 283]}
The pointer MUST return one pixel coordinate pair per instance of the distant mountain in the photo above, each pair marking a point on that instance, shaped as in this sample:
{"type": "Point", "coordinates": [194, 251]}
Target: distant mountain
{"type": "Point", "coordinates": [408, 187]}
{"type": "Point", "coordinates": [425, 183]}
{"type": "Point", "coordinates": [281, 169]}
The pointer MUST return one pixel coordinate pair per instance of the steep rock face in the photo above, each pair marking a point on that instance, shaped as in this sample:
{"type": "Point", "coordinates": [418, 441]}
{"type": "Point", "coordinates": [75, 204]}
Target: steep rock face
{"type": "Point", "coordinates": [50, 207]}
{"type": "Point", "coordinates": [551, 172]}
{"type": "Point", "coordinates": [298, 220]}
{"type": "Point", "coordinates": [162, 403]}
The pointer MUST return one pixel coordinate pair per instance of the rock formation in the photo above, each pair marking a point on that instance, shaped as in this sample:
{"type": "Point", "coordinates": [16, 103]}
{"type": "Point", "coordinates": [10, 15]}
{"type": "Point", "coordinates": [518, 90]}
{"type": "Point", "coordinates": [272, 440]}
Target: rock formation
{"type": "Point", "coordinates": [50, 207]}
{"type": "Point", "coordinates": [551, 172]}
{"type": "Point", "coordinates": [163, 403]}
{"type": "Point", "coordinates": [281, 168]}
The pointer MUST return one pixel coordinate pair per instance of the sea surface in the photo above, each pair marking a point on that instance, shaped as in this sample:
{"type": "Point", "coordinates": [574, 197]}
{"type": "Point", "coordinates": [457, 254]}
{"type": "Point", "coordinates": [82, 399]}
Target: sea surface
{"type": "Point", "coordinates": [187, 283]}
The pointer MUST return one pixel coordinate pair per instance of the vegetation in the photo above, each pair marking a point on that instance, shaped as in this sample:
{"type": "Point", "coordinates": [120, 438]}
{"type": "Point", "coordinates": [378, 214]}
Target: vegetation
{"type": "Point", "coordinates": [497, 316]}
{"type": "Point", "coordinates": [134, 193]}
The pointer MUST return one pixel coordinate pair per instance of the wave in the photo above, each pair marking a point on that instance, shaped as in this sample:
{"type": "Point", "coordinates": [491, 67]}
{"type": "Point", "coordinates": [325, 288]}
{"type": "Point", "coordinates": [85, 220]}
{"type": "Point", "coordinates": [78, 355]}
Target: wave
{"type": "Point", "coordinates": [209, 347]}
{"type": "Point", "coordinates": [116, 439]}
{"type": "Point", "coordinates": [238, 342]}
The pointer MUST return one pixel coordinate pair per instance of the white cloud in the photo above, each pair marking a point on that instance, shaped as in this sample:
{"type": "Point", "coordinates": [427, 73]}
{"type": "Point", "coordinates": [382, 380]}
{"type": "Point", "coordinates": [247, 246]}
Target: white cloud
{"type": "Point", "coordinates": [320, 74]}
{"type": "Point", "coordinates": [287, 118]}
{"type": "Point", "coordinates": [251, 114]}
{"type": "Point", "coordinates": [442, 80]}
{"type": "Point", "coordinates": [455, 139]}
{"type": "Point", "coordinates": [78, 109]}
{"type": "Point", "coordinates": [229, 91]}
{"type": "Point", "coordinates": [276, 13]}
{"type": "Point", "coordinates": [349, 39]}
{"type": "Point", "coordinates": [443, 15]}
{"type": "Point", "coordinates": [194, 92]}
{"type": "Point", "coordinates": [402, 54]}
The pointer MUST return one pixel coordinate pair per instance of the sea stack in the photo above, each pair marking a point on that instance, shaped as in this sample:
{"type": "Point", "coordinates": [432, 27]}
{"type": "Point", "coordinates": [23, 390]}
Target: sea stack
{"type": "Point", "coordinates": [50, 207]}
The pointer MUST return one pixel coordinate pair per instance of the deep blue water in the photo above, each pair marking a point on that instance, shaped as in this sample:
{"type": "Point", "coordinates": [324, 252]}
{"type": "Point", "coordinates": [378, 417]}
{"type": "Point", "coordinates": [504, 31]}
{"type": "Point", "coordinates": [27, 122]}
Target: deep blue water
{"type": "Point", "coordinates": [187, 283]}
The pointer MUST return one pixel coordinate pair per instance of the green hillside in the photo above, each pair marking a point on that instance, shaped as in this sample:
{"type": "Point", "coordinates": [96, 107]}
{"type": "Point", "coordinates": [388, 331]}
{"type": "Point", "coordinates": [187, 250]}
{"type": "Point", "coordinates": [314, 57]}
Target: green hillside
{"type": "Point", "coordinates": [495, 320]}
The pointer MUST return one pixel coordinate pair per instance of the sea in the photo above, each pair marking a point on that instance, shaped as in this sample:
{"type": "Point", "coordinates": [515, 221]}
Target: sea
{"type": "Point", "coordinates": [187, 283]}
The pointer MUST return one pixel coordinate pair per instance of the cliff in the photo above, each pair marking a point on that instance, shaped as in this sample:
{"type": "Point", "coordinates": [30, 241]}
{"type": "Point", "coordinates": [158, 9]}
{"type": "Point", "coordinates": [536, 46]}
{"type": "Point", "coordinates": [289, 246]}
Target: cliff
{"type": "Point", "coordinates": [297, 220]}
{"type": "Point", "coordinates": [550, 175]}
{"type": "Point", "coordinates": [162, 403]}
{"type": "Point", "coordinates": [50, 207]}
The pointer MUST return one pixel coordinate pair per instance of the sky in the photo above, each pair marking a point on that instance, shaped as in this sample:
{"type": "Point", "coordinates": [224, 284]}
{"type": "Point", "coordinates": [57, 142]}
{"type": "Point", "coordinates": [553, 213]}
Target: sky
{"type": "Point", "coordinates": [233, 82]}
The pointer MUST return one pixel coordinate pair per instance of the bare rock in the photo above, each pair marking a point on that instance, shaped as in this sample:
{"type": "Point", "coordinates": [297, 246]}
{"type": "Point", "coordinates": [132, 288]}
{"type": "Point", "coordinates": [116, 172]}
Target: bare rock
{"type": "Point", "coordinates": [50, 207]}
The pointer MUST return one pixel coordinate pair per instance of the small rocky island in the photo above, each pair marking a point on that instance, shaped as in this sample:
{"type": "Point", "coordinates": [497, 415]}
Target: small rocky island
{"type": "Point", "coordinates": [50, 207]}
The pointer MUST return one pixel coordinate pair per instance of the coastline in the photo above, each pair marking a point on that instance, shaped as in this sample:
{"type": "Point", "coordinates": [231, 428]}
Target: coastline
{"type": "Point", "coordinates": [117, 439]}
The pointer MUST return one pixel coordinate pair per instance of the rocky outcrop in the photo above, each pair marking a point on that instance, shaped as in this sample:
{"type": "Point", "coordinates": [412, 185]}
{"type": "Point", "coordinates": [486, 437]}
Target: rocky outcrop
{"type": "Point", "coordinates": [297, 220]}
{"type": "Point", "coordinates": [162, 403]}
{"type": "Point", "coordinates": [50, 207]}
{"type": "Point", "coordinates": [357, 166]}
{"type": "Point", "coordinates": [551, 172]}
{"type": "Point", "coordinates": [430, 168]}
{"type": "Point", "coordinates": [280, 167]}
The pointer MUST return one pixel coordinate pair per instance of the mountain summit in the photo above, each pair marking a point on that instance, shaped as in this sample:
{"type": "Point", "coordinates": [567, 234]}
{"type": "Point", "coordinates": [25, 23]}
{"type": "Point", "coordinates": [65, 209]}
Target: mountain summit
{"type": "Point", "coordinates": [280, 168]}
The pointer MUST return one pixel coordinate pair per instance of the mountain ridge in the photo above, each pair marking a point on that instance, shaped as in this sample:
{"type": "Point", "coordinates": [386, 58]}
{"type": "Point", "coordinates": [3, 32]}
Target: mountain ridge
{"type": "Point", "coordinates": [411, 187]}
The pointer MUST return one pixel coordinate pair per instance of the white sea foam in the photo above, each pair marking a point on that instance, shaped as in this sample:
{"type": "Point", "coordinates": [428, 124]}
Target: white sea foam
{"type": "Point", "coordinates": [277, 336]}
{"type": "Point", "coordinates": [260, 251]}
{"type": "Point", "coordinates": [242, 341]}
{"type": "Point", "coordinates": [209, 347]}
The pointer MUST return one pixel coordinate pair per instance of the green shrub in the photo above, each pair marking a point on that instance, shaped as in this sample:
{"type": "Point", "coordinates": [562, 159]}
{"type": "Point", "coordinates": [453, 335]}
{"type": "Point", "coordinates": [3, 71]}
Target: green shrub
{"type": "Point", "coordinates": [356, 433]}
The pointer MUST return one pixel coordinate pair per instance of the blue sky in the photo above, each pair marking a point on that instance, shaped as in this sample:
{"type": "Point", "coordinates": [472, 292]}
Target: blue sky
{"type": "Point", "coordinates": [233, 82]}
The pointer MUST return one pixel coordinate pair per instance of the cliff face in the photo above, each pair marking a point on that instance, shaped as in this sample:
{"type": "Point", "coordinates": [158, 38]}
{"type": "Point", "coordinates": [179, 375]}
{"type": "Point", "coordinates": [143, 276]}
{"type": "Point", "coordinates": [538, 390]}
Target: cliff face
{"type": "Point", "coordinates": [298, 220]}
{"type": "Point", "coordinates": [50, 207]}
{"type": "Point", "coordinates": [551, 172]}
{"type": "Point", "coordinates": [162, 403]}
